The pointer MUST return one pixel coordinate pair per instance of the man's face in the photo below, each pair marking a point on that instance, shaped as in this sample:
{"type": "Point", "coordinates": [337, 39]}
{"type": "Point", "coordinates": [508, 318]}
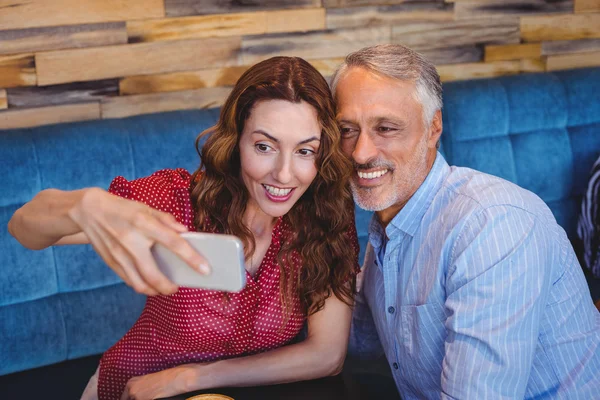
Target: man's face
{"type": "Point", "coordinates": [383, 132]}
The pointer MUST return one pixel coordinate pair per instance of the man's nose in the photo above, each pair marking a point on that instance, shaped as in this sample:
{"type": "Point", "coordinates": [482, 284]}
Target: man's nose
{"type": "Point", "coordinates": [365, 149]}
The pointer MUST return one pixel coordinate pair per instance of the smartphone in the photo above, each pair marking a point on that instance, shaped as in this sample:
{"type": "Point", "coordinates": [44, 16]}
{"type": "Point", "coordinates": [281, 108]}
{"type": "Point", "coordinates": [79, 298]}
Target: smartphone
{"type": "Point", "coordinates": [224, 253]}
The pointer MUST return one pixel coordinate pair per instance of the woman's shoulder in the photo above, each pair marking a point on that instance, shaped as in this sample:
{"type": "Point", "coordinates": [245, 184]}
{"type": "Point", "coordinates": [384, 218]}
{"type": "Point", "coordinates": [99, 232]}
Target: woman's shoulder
{"type": "Point", "coordinates": [167, 190]}
{"type": "Point", "coordinates": [165, 179]}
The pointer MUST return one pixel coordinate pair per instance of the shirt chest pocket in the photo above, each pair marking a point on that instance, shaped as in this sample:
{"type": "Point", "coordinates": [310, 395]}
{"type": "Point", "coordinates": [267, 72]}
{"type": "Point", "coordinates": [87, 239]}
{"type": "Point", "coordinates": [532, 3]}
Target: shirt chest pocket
{"type": "Point", "coordinates": [422, 333]}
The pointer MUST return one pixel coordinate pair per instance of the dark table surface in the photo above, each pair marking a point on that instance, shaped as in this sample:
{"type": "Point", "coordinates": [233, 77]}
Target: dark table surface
{"type": "Point", "coordinates": [342, 387]}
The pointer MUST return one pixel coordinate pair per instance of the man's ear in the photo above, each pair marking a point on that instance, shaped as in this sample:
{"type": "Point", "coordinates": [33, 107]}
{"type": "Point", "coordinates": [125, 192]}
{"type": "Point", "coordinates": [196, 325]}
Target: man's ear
{"type": "Point", "coordinates": [435, 129]}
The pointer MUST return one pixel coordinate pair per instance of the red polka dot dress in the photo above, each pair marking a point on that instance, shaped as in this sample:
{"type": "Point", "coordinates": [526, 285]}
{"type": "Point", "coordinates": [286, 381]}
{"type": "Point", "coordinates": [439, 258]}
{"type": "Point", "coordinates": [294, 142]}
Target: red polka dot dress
{"type": "Point", "coordinates": [195, 325]}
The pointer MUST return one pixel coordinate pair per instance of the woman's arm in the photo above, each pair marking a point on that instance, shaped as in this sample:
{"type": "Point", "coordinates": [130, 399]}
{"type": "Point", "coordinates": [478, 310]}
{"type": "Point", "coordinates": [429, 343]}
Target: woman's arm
{"type": "Point", "coordinates": [321, 354]}
{"type": "Point", "coordinates": [121, 231]}
{"type": "Point", "coordinates": [45, 220]}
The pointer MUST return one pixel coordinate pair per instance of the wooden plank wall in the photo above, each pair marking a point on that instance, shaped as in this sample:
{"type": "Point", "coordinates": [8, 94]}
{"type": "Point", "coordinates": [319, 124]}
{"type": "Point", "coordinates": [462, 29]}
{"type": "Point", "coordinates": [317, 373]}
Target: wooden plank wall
{"type": "Point", "coordinates": [70, 60]}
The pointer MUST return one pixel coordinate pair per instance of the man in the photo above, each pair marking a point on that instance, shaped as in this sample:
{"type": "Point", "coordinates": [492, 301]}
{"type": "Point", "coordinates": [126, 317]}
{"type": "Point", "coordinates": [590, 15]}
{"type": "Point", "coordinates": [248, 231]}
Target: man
{"type": "Point", "coordinates": [588, 233]}
{"type": "Point", "coordinates": [470, 287]}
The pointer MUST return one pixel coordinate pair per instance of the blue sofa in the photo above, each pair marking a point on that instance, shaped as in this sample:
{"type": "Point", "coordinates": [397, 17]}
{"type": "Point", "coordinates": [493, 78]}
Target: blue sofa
{"type": "Point", "coordinates": [541, 131]}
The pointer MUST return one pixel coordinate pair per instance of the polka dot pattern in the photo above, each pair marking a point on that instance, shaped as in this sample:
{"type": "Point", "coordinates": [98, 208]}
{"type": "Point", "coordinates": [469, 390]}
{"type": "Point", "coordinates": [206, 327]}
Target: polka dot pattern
{"type": "Point", "coordinates": [195, 325]}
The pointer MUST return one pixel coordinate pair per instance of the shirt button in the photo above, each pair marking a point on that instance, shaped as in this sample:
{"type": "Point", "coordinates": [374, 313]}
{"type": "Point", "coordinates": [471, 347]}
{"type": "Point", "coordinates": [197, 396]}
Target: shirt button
{"type": "Point", "coordinates": [395, 365]}
{"type": "Point", "coordinates": [391, 309]}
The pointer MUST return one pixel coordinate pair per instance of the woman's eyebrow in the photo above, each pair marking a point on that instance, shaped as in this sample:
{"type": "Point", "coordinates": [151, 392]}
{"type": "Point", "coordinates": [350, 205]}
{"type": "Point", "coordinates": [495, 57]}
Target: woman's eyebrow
{"type": "Point", "coordinates": [260, 131]}
{"type": "Point", "coordinates": [310, 140]}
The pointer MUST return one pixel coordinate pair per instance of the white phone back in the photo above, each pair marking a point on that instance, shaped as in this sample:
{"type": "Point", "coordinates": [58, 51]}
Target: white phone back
{"type": "Point", "coordinates": [224, 253]}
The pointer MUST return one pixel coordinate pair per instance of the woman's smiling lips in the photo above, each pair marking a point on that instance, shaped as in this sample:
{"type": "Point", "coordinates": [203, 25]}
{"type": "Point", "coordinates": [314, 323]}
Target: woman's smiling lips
{"type": "Point", "coordinates": [277, 194]}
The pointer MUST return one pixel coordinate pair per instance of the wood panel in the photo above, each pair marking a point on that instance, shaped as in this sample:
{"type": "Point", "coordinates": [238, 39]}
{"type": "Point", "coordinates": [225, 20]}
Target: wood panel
{"type": "Point", "coordinates": [327, 66]}
{"type": "Point", "coordinates": [361, 17]}
{"type": "Point", "coordinates": [196, 27]}
{"type": "Point", "coordinates": [570, 46]}
{"type": "Point", "coordinates": [125, 106]}
{"type": "Point", "coordinates": [26, 117]}
{"type": "Point", "coordinates": [180, 8]}
{"type": "Point", "coordinates": [311, 19]}
{"type": "Point", "coordinates": [17, 70]}
{"type": "Point", "coordinates": [354, 3]}
{"type": "Point", "coordinates": [512, 52]}
{"type": "Point", "coordinates": [222, 25]}
{"type": "Point", "coordinates": [569, 61]}
{"type": "Point", "coordinates": [39, 13]}
{"type": "Point", "coordinates": [457, 72]}
{"type": "Point", "coordinates": [314, 45]}
{"type": "Point", "coordinates": [585, 6]}
{"type": "Point", "coordinates": [143, 58]}
{"type": "Point", "coordinates": [533, 64]}
{"type": "Point", "coordinates": [62, 94]}
{"type": "Point", "coordinates": [454, 55]}
{"type": "Point", "coordinates": [432, 35]}
{"type": "Point", "coordinates": [491, 8]}
{"type": "Point", "coordinates": [3, 99]}
{"type": "Point", "coordinates": [226, 76]}
{"type": "Point", "coordinates": [63, 37]}
{"type": "Point", "coordinates": [560, 27]}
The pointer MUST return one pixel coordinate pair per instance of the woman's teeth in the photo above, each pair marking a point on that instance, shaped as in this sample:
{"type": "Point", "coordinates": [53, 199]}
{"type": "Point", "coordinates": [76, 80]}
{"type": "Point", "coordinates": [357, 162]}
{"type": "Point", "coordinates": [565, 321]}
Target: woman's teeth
{"type": "Point", "coordinates": [277, 191]}
{"type": "Point", "coordinates": [372, 175]}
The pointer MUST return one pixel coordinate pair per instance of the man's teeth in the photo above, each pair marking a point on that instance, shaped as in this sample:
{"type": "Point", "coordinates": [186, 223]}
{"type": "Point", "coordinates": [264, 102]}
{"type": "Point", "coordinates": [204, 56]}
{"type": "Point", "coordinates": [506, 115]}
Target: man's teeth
{"type": "Point", "coordinates": [372, 175]}
{"type": "Point", "coordinates": [277, 191]}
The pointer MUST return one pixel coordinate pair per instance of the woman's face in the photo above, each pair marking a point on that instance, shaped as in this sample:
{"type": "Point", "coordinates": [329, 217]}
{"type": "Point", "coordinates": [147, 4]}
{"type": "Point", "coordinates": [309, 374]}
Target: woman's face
{"type": "Point", "coordinates": [278, 150]}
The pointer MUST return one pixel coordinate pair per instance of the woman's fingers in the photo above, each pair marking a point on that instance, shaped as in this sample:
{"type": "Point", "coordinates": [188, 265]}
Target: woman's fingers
{"type": "Point", "coordinates": [149, 272]}
{"type": "Point", "coordinates": [174, 242]}
{"type": "Point", "coordinates": [169, 220]}
{"type": "Point", "coordinates": [120, 261]}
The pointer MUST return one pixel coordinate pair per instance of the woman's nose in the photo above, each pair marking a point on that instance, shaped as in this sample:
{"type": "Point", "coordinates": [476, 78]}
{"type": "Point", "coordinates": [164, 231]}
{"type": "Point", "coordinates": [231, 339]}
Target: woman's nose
{"type": "Point", "coordinates": [283, 169]}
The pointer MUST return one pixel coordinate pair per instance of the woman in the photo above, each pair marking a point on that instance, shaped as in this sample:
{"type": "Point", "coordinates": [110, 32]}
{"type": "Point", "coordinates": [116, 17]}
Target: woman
{"type": "Point", "coordinates": [271, 174]}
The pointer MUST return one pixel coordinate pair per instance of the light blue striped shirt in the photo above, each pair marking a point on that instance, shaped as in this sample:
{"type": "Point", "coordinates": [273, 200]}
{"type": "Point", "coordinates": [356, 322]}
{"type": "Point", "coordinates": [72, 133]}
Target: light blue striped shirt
{"type": "Point", "coordinates": [477, 294]}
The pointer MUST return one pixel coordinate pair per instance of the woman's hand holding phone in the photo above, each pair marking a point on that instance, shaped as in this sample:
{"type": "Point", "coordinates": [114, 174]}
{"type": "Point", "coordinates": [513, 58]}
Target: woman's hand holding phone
{"type": "Point", "coordinates": [123, 232]}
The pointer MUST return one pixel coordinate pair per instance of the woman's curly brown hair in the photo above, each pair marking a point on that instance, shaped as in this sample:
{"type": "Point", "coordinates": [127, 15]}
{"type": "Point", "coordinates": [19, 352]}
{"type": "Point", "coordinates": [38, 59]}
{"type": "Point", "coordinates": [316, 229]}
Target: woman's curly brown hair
{"type": "Point", "coordinates": [322, 216]}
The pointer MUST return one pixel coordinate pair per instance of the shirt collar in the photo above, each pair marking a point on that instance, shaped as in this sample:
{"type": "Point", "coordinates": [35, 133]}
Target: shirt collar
{"type": "Point", "coordinates": [409, 218]}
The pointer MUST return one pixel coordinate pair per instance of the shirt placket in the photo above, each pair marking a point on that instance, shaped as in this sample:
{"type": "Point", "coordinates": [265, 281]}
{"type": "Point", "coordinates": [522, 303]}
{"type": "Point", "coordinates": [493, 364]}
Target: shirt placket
{"type": "Point", "coordinates": [391, 256]}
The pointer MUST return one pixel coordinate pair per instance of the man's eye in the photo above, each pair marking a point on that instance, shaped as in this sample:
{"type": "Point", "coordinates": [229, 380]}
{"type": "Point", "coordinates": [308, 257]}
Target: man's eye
{"type": "Point", "coordinates": [346, 131]}
{"type": "Point", "coordinates": [384, 129]}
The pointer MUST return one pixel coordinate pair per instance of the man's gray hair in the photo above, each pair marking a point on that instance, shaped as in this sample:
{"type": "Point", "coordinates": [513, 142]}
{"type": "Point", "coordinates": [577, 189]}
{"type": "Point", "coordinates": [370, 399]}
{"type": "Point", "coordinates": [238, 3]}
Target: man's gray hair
{"type": "Point", "coordinates": [399, 62]}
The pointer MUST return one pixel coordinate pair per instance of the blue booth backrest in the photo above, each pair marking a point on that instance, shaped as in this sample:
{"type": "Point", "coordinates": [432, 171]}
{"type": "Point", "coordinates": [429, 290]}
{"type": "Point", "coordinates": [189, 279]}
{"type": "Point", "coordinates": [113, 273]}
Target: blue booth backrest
{"type": "Point", "coordinates": [540, 131]}
{"type": "Point", "coordinates": [63, 302]}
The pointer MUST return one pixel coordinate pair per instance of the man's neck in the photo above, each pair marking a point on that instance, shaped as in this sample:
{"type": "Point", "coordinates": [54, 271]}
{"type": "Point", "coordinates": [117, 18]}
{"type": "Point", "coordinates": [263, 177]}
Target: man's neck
{"type": "Point", "coordinates": [387, 215]}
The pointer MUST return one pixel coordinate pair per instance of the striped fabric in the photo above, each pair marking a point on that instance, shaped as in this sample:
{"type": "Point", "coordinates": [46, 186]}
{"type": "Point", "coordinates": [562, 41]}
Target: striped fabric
{"type": "Point", "coordinates": [477, 294]}
{"type": "Point", "coordinates": [588, 227]}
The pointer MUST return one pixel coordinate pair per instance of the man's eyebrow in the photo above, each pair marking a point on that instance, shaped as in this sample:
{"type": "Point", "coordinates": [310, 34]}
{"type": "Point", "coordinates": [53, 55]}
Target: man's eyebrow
{"type": "Point", "coordinates": [400, 124]}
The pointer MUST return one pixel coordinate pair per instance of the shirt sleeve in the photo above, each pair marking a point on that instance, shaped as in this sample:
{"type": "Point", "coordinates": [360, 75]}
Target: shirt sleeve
{"type": "Point", "coordinates": [496, 285]}
{"type": "Point", "coordinates": [166, 190]}
{"type": "Point", "coordinates": [364, 340]}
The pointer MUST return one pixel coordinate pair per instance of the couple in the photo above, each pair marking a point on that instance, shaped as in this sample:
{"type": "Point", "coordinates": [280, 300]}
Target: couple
{"type": "Point", "coordinates": [470, 288]}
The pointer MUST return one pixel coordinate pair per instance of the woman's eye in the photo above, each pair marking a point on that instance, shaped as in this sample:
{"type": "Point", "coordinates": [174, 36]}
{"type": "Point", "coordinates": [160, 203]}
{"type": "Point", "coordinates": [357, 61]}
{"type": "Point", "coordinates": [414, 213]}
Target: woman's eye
{"type": "Point", "coordinates": [306, 152]}
{"type": "Point", "coordinates": [263, 148]}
